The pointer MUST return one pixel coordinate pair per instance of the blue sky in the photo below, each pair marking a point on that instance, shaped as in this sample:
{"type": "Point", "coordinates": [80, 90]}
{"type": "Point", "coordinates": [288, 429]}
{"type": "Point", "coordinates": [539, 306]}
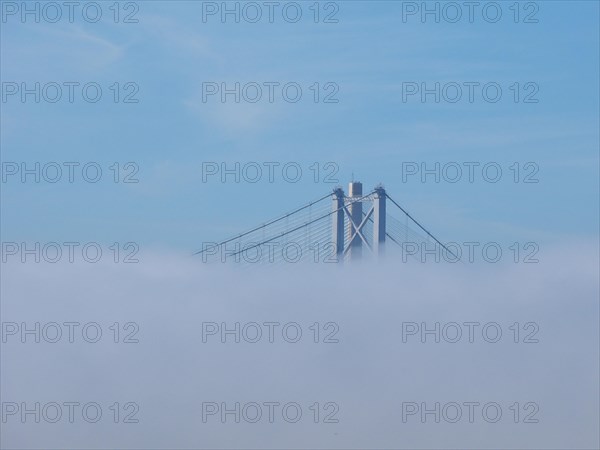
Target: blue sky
{"type": "Point", "coordinates": [369, 133]}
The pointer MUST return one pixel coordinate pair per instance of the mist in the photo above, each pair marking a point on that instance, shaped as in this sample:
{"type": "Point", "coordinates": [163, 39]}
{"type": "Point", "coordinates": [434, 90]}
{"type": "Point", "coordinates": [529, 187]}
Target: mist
{"type": "Point", "coordinates": [352, 348]}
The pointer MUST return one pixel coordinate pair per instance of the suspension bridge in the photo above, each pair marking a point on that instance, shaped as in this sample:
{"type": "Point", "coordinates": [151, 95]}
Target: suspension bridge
{"type": "Point", "coordinates": [334, 228]}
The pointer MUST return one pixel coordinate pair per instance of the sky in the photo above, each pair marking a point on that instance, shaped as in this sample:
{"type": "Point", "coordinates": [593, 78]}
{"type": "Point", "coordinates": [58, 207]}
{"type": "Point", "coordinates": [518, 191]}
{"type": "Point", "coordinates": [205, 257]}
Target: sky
{"type": "Point", "coordinates": [373, 133]}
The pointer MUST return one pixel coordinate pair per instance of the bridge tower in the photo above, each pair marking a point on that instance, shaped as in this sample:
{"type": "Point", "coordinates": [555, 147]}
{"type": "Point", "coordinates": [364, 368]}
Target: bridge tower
{"type": "Point", "coordinates": [379, 220]}
{"type": "Point", "coordinates": [351, 220]}
{"type": "Point", "coordinates": [337, 232]}
{"type": "Point", "coordinates": [356, 217]}
{"type": "Point", "coordinates": [357, 221]}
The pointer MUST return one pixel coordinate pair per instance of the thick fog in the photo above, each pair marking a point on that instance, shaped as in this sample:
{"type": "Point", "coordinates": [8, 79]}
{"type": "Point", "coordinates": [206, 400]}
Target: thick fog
{"type": "Point", "coordinates": [358, 376]}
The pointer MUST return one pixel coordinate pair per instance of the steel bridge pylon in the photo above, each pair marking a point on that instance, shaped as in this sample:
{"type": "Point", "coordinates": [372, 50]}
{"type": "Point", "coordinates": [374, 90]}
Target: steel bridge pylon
{"type": "Point", "coordinates": [349, 219]}
{"type": "Point", "coordinates": [359, 227]}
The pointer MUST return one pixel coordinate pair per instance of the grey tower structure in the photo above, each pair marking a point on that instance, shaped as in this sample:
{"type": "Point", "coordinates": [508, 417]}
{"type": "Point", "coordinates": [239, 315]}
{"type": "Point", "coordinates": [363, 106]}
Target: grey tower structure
{"type": "Point", "coordinates": [350, 221]}
{"type": "Point", "coordinates": [355, 244]}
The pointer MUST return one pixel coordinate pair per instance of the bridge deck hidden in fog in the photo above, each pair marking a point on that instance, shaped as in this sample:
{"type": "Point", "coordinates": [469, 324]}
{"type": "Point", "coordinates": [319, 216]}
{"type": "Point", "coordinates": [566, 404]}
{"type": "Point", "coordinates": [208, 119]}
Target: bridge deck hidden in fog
{"type": "Point", "coordinates": [353, 226]}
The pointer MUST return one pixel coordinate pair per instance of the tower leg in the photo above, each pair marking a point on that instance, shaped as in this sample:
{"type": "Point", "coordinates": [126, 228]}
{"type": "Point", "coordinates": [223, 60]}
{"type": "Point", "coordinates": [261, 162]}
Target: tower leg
{"type": "Point", "coordinates": [355, 191]}
{"type": "Point", "coordinates": [338, 223]}
{"type": "Point", "coordinates": [379, 221]}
